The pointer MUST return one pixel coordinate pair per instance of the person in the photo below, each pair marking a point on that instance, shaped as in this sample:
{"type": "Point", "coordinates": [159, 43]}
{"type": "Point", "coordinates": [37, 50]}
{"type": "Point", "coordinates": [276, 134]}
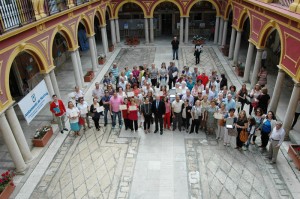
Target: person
{"type": "Point", "coordinates": [198, 51]}
{"type": "Point", "coordinates": [141, 74]}
{"type": "Point", "coordinates": [183, 88]}
{"type": "Point", "coordinates": [175, 46]}
{"type": "Point", "coordinates": [186, 114]}
{"type": "Point", "coordinates": [98, 92]}
{"type": "Point", "coordinates": [229, 102]}
{"type": "Point", "coordinates": [255, 92]}
{"type": "Point", "coordinates": [163, 92]}
{"type": "Point", "coordinates": [115, 103]}
{"type": "Point", "coordinates": [198, 87]}
{"type": "Point", "coordinates": [266, 127]}
{"type": "Point", "coordinates": [258, 121]}
{"type": "Point", "coordinates": [176, 112]}
{"type": "Point", "coordinates": [131, 79]}
{"type": "Point", "coordinates": [196, 117]}
{"type": "Point", "coordinates": [221, 122]}
{"type": "Point", "coordinates": [136, 90]}
{"type": "Point", "coordinates": [167, 118]}
{"type": "Point", "coordinates": [115, 73]}
{"type": "Point", "coordinates": [297, 113]}
{"type": "Point", "coordinates": [262, 76]}
{"type": "Point", "coordinates": [250, 131]}
{"type": "Point", "coordinates": [276, 139]}
{"type": "Point", "coordinates": [125, 114]}
{"type": "Point", "coordinates": [128, 89]}
{"type": "Point", "coordinates": [241, 124]}
{"type": "Point", "coordinates": [227, 133]}
{"type": "Point", "coordinates": [241, 96]}
{"type": "Point", "coordinates": [78, 93]}
{"type": "Point", "coordinates": [57, 107]}
{"type": "Point", "coordinates": [122, 83]}
{"type": "Point", "coordinates": [190, 84]}
{"type": "Point", "coordinates": [153, 75]}
{"type": "Point", "coordinates": [207, 92]}
{"type": "Point", "coordinates": [223, 81]}
{"type": "Point", "coordinates": [127, 72]}
{"type": "Point", "coordinates": [73, 115]}
{"type": "Point", "coordinates": [95, 114]}
{"type": "Point", "coordinates": [204, 106]}
{"type": "Point", "coordinates": [198, 97]}
{"type": "Point", "coordinates": [173, 74]}
{"type": "Point", "coordinates": [135, 73]}
{"type": "Point", "coordinates": [232, 91]}
{"type": "Point", "coordinates": [211, 121]}
{"type": "Point", "coordinates": [112, 79]}
{"type": "Point", "coordinates": [148, 89]}
{"type": "Point", "coordinates": [189, 97]}
{"type": "Point", "coordinates": [158, 109]}
{"type": "Point", "coordinates": [163, 74]}
{"type": "Point", "coordinates": [133, 114]}
{"type": "Point", "coordinates": [110, 89]}
{"type": "Point", "coordinates": [83, 107]}
{"type": "Point", "coordinates": [204, 79]}
{"type": "Point", "coordinates": [106, 80]}
{"type": "Point", "coordinates": [195, 74]}
{"type": "Point", "coordinates": [147, 114]}
{"type": "Point", "coordinates": [121, 93]}
{"type": "Point", "coordinates": [105, 100]}
{"type": "Point", "coordinates": [263, 100]}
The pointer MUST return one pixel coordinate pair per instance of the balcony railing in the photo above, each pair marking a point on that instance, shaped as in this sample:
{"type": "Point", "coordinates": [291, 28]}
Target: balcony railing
{"type": "Point", "coordinates": [79, 2]}
{"type": "Point", "coordinates": [55, 6]}
{"type": "Point", "coordinates": [15, 13]}
{"type": "Point", "coordinates": [285, 3]}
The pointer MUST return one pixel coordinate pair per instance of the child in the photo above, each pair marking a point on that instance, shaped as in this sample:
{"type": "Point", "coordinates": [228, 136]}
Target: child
{"type": "Point", "coordinates": [231, 131]}
{"type": "Point", "coordinates": [250, 130]}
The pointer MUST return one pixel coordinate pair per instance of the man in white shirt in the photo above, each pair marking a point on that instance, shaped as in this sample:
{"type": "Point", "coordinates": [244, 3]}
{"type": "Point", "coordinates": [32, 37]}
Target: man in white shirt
{"type": "Point", "coordinates": [276, 139]}
{"type": "Point", "coordinates": [210, 95]}
{"type": "Point", "coordinates": [148, 89]}
{"type": "Point", "coordinates": [189, 97]}
{"type": "Point", "coordinates": [176, 111]}
{"type": "Point", "coordinates": [98, 92]}
{"type": "Point", "coordinates": [122, 83]}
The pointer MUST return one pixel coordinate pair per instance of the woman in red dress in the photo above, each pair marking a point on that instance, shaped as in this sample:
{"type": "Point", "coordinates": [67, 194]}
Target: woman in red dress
{"type": "Point", "coordinates": [133, 114]}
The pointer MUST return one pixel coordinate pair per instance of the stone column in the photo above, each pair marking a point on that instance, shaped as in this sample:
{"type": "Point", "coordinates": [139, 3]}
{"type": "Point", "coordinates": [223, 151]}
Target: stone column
{"type": "Point", "coordinates": [290, 113]}
{"type": "Point", "coordinates": [75, 68]}
{"type": "Point", "coordinates": [54, 84]}
{"type": "Point", "coordinates": [104, 39]}
{"type": "Point", "coordinates": [49, 84]}
{"type": "Point", "coordinates": [186, 30]}
{"type": "Point", "coordinates": [277, 90]}
{"type": "Point", "coordinates": [256, 67]}
{"type": "Point", "coordinates": [232, 41]}
{"type": "Point", "coordinates": [11, 145]}
{"type": "Point", "coordinates": [96, 51]}
{"type": "Point", "coordinates": [248, 62]}
{"type": "Point", "coordinates": [146, 31]}
{"type": "Point", "coordinates": [237, 47]}
{"type": "Point", "coordinates": [181, 31]}
{"type": "Point", "coordinates": [18, 134]}
{"type": "Point", "coordinates": [113, 31]}
{"type": "Point", "coordinates": [221, 31]}
{"type": "Point", "coordinates": [224, 32]}
{"type": "Point", "coordinates": [216, 30]}
{"type": "Point", "coordinates": [117, 30]}
{"type": "Point", "coordinates": [93, 53]}
{"type": "Point", "coordinates": [80, 67]}
{"type": "Point", "coordinates": [151, 30]}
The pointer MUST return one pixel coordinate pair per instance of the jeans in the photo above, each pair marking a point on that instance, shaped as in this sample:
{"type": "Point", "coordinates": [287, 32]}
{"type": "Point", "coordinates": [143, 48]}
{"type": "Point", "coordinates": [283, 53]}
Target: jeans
{"type": "Point", "coordinates": [105, 116]}
{"type": "Point", "coordinates": [197, 59]}
{"type": "Point", "coordinates": [175, 52]}
{"type": "Point", "coordinates": [114, 117]}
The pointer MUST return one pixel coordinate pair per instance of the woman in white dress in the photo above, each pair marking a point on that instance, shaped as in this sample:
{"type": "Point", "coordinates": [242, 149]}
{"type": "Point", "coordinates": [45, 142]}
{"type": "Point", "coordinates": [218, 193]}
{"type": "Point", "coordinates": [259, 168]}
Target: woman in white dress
{"type": "Point", "coordinates": [73, 115]}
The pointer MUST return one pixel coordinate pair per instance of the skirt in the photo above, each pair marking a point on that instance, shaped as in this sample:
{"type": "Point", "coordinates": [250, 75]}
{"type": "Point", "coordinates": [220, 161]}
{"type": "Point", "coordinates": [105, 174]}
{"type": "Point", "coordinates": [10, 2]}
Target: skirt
{"type": "Point", "coordinates": [74, 126]}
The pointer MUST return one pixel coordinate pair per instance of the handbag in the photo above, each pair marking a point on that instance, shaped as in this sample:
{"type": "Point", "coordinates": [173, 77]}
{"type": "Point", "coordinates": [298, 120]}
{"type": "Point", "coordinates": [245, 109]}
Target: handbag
{"type": "Point", "coordinates": [81, 121]}
{"type": "Point", "coordinates": [221, 122]}
{"type": "Point", "coordinates": [243, 136]}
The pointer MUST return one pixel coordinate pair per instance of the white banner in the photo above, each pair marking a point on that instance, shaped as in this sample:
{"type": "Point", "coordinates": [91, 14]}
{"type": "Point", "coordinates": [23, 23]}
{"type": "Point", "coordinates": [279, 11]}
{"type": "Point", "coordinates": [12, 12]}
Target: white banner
{"type": "Point", "coordinates": [34, 101]}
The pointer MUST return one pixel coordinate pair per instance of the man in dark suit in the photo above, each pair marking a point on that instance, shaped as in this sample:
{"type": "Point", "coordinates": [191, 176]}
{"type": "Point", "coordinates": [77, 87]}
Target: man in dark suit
{"type": "Point", "coordinates": [159, 109]}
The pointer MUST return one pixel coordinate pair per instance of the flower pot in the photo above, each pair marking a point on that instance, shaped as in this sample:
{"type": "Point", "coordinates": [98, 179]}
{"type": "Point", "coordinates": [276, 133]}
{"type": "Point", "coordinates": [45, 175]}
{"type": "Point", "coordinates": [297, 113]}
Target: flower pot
{"type": "Point", "coordinates": [111, 48]}
{"type": "Point", "coordinates": [43, 142]}
{"type": "Point", "coordinates": [294, 151]}
{"type": "Point", "coordinates": [5, 194]}
{"type": "Point", "coordinates": [101, 61]}
{"type": "Point", "coordinates": [89, 76]}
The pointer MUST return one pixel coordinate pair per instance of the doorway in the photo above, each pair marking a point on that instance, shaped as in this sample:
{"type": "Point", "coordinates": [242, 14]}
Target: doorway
{"type": "Point", "coordinates": [166, 24]}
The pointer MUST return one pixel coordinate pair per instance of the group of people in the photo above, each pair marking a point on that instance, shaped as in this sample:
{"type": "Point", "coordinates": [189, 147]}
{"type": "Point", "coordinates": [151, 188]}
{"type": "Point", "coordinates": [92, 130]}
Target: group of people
{"type": "Point", "coordinates": [189, 100]}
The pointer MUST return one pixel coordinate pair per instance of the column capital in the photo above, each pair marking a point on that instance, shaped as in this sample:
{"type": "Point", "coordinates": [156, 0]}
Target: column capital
{"type": "Point", "coordinates": [91, 35]}
{"type": "Point", "coordinates": [103, 26]}
{"type": "Point", "coordinates": [296, 83]}
{"type": "Point", "coordinates": [2, 115]}
{"type": "Point", "coordinates": [259, 49]}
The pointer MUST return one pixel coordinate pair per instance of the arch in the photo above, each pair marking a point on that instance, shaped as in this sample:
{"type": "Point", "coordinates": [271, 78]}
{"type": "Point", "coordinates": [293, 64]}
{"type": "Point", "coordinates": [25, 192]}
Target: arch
{"type": "Point", "coordinates": [34, 51]}
{"type": "Point", "coordinates": [99, 15]}
{"type": "Point", "coordinates": [109, 10]}
{"type": "Point", "coordinates": [161, 1]}
{"type": "Point", "coordinates": [129, 1]}
{"type": "Point", "coordinates": [211, 1]}
{"type": "Point", "coordinates": [228, 10]}
{"type": "Point", "coordinates": [86, 23]}
{"type": "Point", "coordinates": [66, 34]}
{"type": "Point", "coordinates": [266, 31]}
{"type": "Point", "coordinates": [243, 17]}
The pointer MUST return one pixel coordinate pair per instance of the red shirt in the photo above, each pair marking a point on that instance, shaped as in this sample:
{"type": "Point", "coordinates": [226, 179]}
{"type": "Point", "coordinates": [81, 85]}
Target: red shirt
{"type": "Point", "coordinates": [132, 115]}
{"type": "Point", "coordinates": [125, 114]}
{"type": "Point", "coordinates": [204, 79]}
{"type": "Point", "coordinates": [60, 105]}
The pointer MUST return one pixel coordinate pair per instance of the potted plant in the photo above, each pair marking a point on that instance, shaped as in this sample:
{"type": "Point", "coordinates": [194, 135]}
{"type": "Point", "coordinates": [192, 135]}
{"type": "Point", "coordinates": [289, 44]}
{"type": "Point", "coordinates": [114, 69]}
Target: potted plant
{"type": "Point", "coordinates": [89, 76]}
{"type": "Point", "coordinates": [294, 153]}
{"type": "Point", "coordinates": [239, 69]}
{"type": "Point", "coordinates": [7, 185]}
{"type": "Point", "coordinates": [101, 59]}
{"type": "Point", "coordinates": [42, 136]}
{"type": "Point", "coordinates": [198, 40]}
{"type": "Point", "coordinates": [111, 47]}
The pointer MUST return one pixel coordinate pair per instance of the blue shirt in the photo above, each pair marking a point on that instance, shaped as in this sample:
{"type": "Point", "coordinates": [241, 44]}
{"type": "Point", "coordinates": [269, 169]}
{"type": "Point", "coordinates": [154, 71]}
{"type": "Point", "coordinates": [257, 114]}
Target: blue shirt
{"type": "Point", "coordinates": [230, 104]}
{"type": "Point", "coordinates": [190, 85]}
{"type": "Point", "coordinates": [115, 72]}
